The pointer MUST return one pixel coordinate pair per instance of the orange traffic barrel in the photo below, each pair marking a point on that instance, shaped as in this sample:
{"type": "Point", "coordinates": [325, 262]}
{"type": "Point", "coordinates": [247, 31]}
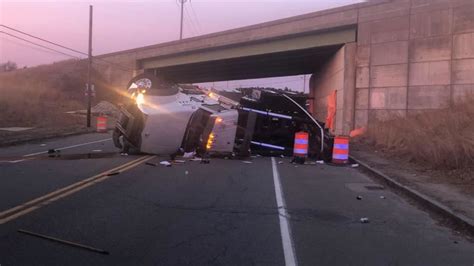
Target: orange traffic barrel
{"type": "Point", "coordinates": [300, 148]}
{"type": "Point", "coordinates": [340, 151]}
{"type": "Point", "coordinates": [102, 124]}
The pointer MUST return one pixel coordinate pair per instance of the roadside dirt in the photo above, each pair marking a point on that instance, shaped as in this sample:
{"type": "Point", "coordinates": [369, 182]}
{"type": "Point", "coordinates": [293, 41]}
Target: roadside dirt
{"type": "Point", "coordinates": [36, 134]}
{"type": "Point", "coordinates": [454, 188]}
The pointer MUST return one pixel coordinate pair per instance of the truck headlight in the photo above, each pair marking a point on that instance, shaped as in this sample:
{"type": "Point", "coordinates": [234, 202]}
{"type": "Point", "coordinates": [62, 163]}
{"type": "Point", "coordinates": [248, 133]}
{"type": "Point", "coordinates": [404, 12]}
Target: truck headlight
{"type": "Point", "coordinates": [140, 99]}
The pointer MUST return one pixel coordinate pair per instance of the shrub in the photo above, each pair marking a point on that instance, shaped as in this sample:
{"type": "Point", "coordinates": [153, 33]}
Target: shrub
{"type": "Point", "coordinates": [441, 139]}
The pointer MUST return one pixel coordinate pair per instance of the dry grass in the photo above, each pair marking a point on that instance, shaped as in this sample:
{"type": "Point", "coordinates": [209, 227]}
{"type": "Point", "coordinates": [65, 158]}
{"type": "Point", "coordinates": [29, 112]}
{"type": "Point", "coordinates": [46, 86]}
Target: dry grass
{"type": "Point", "coordinates": [440, 139]}
{"type": "Point", "coordinates": [40, 96]}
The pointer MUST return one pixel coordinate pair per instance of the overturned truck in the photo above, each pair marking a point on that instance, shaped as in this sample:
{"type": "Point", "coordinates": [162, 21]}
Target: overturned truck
{"type": "Point", "coordinates": [171, 119]}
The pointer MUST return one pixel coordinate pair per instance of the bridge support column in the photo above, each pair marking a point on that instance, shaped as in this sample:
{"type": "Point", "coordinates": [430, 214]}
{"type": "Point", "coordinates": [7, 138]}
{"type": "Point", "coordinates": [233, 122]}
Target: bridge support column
{"type": "Point", "coordinates": [336, 75]}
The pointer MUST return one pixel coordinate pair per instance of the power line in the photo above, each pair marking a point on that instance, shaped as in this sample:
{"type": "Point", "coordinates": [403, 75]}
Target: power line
{"type": "Point", "coordinates": [191, 23]}
{"type": "Point", "coordinates": [37, 44]}
{"type": "Point", "coordinates": [27, 45]}
{"type": "Point", "coordinates": [195, 17]}
{"type": "Point", "coordinates": [62, 46]}
{"type": "Point", "coordinates": [44, 40]}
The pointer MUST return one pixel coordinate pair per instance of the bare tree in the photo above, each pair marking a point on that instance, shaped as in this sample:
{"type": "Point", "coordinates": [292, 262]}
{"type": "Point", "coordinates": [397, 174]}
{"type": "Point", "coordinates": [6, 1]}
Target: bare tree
{"type": "Point", "coordinates": [8, 66]}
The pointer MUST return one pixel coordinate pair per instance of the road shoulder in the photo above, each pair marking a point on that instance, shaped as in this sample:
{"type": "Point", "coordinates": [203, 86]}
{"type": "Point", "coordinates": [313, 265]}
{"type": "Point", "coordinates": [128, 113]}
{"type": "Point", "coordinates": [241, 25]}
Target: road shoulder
{"type": "Point", "coordinates": [447, 199]}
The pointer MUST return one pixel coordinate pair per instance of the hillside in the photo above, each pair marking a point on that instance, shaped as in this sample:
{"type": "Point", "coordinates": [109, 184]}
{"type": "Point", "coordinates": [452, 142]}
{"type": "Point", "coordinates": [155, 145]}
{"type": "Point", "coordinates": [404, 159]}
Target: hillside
{"type": "Point", "coordinates": [40, 96]}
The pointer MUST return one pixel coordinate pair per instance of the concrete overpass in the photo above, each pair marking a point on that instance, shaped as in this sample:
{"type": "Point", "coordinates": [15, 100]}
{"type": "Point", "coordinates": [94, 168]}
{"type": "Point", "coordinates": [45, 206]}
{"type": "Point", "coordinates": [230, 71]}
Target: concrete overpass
{"type": "Point", "coordinates": [383, 58]}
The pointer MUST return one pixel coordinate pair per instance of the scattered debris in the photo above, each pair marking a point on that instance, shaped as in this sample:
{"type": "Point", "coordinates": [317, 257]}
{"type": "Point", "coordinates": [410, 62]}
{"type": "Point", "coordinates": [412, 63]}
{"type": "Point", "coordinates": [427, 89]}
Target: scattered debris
{"type": "Point", "coordinates": [64, 242]}
{"type": "Point", "coordinates": [282, 156]}
{"type": "Point", "coordinates": [42, 145]}
{"type": "Point", "coordinates": [246, 161]}
{"type": "Point", "coordinates": [151, 164]}
{"type": "Point", "coordinates": [113, 173]}
{"type": "Point", "coordinates": [298, 160]}
{"type": "Point", "coordinates": [186, 172]}
{"type": "Point", "coordinates": [280, 162]}
{"type": "Point", "coordinates": [189, 154]}
{"type": "Point", "coordinates": [96, 150]}
{"type": "Point", "coordinates": [123, 154]}
{"type": "Point", "coordinates": [359, 197]}
{"type": "Point", "coordinates": [364, 220]}
{"type": "Point", "coordinates": [355, 165]}
{"type": "Point", "coordinates": [205, 161]}
{"type": "Point", "coordinates": [179, 161]}
{"type": "Point", "coordinates": [53, 153]}
{"type": "Point", "coordinates": [382, 197]}
{"type": "Point", "coordinates": [165, 163]}
{"type": "Point", "coordinates": [197, 159]}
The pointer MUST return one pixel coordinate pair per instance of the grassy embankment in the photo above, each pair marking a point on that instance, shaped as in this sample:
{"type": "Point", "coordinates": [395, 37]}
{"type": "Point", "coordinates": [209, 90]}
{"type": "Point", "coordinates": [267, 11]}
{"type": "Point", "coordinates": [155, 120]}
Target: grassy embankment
{"type": "Point", "coordinates": [41, 96]}
{"type": "Point", "coordinates": [439, 139]}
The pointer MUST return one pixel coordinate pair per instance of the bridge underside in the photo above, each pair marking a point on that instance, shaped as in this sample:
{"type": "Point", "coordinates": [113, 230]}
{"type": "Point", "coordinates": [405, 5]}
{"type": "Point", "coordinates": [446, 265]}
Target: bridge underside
{"type": "Point", "coordinates": [285, 56]}
{"type": "Point", "coordinates": [298, 62]}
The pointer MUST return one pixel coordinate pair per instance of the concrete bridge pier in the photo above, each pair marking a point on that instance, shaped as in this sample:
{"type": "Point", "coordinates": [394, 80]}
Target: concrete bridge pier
{"type": "Point", "coordinates": [336, 75]}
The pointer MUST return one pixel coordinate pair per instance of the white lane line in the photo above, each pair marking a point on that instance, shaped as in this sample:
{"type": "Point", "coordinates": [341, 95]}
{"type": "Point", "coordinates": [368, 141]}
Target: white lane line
{"type": "Point", "coordinates": [68, 147]}
{"type": "Point", "coordinates": [287, 241]}
{"type": "Point", "coordinates": [15, 161]}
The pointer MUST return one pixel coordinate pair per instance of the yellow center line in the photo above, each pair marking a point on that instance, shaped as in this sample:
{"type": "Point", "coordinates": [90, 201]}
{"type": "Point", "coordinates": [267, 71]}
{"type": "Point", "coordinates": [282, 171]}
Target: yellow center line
{"type": "Point", "coordinates": [39, 202]}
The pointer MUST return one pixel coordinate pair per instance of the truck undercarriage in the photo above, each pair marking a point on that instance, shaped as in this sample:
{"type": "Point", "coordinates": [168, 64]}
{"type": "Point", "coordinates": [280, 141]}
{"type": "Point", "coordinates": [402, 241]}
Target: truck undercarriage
{"type": "Point", "coordinates": [171, 119]}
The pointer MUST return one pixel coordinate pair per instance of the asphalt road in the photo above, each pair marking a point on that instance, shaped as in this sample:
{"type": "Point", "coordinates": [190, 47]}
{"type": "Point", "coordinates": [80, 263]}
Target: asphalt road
{"type": "Point", "coordinates": [227, 212]}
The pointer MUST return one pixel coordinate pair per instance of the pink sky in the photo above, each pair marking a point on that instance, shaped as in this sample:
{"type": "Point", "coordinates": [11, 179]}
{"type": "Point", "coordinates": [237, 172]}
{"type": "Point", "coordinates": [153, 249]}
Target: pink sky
{"type": "Point", "coordinates": [120, 25]}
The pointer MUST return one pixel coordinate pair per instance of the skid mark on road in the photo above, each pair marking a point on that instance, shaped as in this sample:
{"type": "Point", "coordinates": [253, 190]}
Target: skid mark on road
{"type": "Point", "coordinates": [37, 203]}
{"type": "Point", "coordinates": [285, 230]}
{"type": "Point", "coordinates": [68, 147]}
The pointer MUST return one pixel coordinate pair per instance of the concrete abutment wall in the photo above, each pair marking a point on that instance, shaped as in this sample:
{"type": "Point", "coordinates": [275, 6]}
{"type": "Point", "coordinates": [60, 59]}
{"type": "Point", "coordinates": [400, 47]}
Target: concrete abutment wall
{"type": "Point", "coordinates": [413, 56]}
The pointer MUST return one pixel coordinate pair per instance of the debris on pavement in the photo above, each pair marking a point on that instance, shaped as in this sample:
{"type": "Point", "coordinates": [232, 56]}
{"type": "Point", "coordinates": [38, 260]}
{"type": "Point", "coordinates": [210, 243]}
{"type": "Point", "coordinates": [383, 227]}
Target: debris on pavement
{"type": "Point", "coordinates": [96, 150]}
{"type": "Point", "coordinates": [246, 161]}
{"type": "Point", "coordinates": [189, 154]}
{"type": "Point", "coordinates": [280, 162]}
{"type": "Point", "coordinates": [364, 220]}
{"type": "Point", "coordinates": [359, 197]}
{"type": "Point", "coordinates": [355, 165]}
{"type": "Point", "coordinates": [179, 161]}
{"type": "Point", "coordinates": [382, 197]}
{"type": "Point", "coordinates": [320, 161]}
{"type": "Point", "coordinates": [123, 154]}
{"type": "Point", "coordinates": [42, 145]}
{"type": "Point", "coordinates": [54, 153]}
{"type": "Point", "coordinates": [65, 242]}
{"type": "Point", "coordinates": [186, 172]}
{"type": "Point", "coordinates": [165, 163]}
{"type": "Point", "coordinates": [151, 164]}
{"type": "Point", "coordinates": [113, 173]}
{"type": "Point", "coordinates": [282, 156]}
{"type": "Point", "coordinates": [197, 159]}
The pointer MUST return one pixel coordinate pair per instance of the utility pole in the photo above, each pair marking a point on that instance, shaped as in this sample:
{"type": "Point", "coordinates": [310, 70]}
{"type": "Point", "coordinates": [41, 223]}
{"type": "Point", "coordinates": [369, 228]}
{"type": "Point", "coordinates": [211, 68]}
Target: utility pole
{"type": "Point", "coordinates": [89, 85]}
{"type": "Point", "coordinates": [181, 24]}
